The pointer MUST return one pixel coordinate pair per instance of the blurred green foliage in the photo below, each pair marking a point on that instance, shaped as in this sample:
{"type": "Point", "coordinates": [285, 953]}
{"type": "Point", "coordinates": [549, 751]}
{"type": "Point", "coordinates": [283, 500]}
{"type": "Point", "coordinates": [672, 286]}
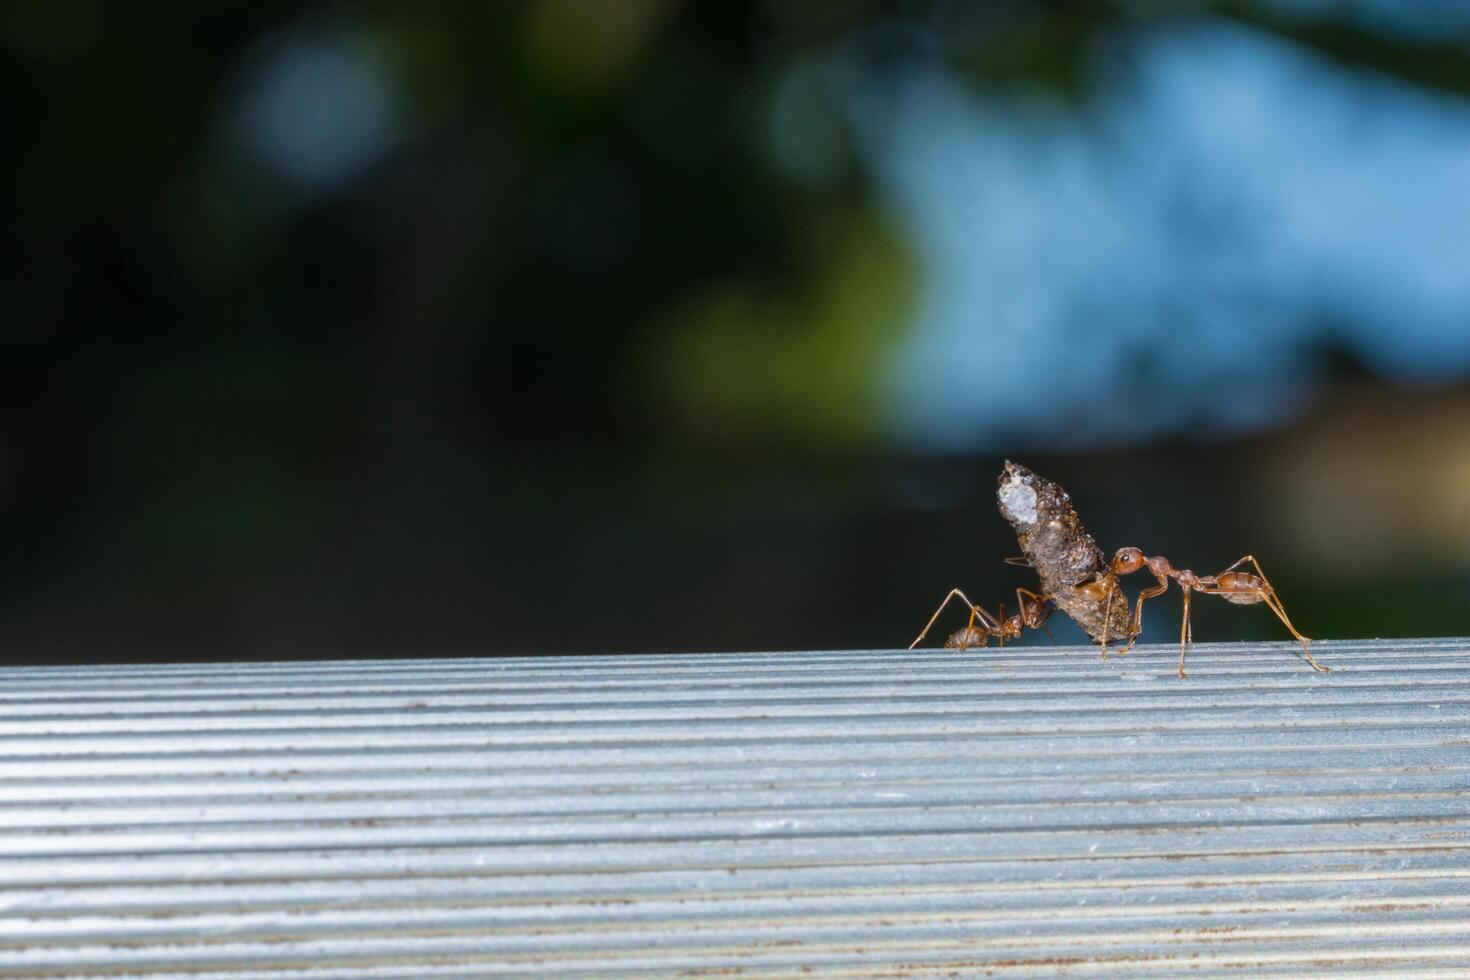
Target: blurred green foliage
{"type": "Point", "coordinates": [736, 366]}
{"type": "Point", "coordinates": [569, 362]}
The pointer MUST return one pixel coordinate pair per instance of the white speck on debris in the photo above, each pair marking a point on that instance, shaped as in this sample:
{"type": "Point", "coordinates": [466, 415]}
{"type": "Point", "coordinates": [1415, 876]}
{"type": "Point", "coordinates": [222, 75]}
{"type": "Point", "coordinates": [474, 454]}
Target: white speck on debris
{"type": "Point", "coordinates": [1018, 501]}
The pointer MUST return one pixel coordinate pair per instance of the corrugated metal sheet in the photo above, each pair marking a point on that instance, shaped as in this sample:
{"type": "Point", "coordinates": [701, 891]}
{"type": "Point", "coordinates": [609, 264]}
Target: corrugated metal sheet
{"type": "Point", "coordinates": [875, 813]}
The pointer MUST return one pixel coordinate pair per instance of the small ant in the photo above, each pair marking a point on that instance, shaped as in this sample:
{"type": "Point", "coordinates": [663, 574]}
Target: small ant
{"type": "Point", "coordinates": [1241, 588]}
{"type": "Point", "coordinates": [1033, 612]}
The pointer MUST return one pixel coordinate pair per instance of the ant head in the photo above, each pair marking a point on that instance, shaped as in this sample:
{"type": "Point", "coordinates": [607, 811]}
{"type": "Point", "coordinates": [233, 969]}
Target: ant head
{"type": "Point", "coordinates": [1011, 628]}
{"type": "Point", "coordinates": [1127, 561]}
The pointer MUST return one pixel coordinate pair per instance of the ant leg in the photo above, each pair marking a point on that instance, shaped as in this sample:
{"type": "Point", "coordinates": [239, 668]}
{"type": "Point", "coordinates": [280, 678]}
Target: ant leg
{"type": "Point", "coordinates": [1184, 634]}
{"type": "Point", "coordinates": [1001, 618]}
{"type": "Point", "coordinates": [1276, 607]}
{"type": "Point", "coordinates": [1020, 560]}
{"type": "Point", "coordinates": [974, 612]}
{"type": "Point", "coordinates": [1268, 595]}
{"type": "Point", "coordinates": [1148, 593]}
{"type": "Point", "coordinates": [1274, 604]}
{"type": "Point", "coordinates": [1107, 608]}
{"type": "Point", "coordinates": [1237, 563]}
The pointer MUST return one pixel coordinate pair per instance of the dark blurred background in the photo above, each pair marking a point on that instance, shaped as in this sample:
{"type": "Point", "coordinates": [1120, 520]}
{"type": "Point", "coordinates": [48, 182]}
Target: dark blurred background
{"type": "Point", "coordinates": [638, 325]}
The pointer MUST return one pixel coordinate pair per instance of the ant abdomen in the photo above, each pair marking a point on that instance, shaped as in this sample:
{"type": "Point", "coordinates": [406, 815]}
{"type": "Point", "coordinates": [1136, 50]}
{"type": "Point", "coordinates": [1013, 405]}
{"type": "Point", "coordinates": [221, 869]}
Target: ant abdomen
{"type": "Point", "coordinates": [970, 636]}
{"type": "Point", "coordinates": [1241, 588]}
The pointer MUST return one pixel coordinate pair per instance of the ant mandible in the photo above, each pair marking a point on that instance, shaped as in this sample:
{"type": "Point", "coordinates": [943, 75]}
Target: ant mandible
{"type": "Point", "coordinates": [1033, 612]}
{"type": "Point", "coordinates": [1241, 588]}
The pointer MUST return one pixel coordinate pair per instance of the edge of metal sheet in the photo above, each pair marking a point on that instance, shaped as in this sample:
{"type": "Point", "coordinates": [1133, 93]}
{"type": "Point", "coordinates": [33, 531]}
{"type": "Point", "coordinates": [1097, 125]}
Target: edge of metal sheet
{"type": "Point", "coordinates": [875, 813]}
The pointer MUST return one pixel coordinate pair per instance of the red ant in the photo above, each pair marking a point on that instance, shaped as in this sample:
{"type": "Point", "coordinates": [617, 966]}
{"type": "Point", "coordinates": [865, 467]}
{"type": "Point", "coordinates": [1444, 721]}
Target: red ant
{"type": "Point", "coordinates": [1033, 612]}
{"type": "Point", "coordinates": [1241, 588]}
{"type": "Point", "coordinates": [1077, 579]}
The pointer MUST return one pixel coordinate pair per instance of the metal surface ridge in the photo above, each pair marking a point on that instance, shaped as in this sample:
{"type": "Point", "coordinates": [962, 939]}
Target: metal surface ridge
{"type": "Point", "coordinates": [1017, 811]}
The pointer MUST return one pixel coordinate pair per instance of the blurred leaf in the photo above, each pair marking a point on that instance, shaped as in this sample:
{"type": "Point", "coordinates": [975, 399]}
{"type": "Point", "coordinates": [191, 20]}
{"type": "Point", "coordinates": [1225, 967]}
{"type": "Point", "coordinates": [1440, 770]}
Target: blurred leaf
{"type": "Point", "coordinates": [744, 365]}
